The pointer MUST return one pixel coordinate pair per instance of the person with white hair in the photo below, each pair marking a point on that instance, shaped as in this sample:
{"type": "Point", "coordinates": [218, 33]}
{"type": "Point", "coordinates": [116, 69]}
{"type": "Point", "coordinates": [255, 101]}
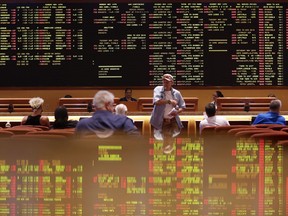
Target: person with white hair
{"type": "Point", "coordinates": [271, 117]}
{"type": "Point", "coordinates": [104, 122]}
{"type": "Point", "coordinates": [121, 109]}
{"type": "Point", "coordinates": [36, 118]}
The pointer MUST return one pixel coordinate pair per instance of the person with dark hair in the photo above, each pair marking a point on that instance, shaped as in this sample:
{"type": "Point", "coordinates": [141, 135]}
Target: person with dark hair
{"type": "Point", "coordinates": [61, 119]}
{"type": "Point", "coordinates": [168, 104]}
{"type": "Point", "coordinates": [211, 119]}
{"type": "Point", "coordinates": [104, 122]}
{"type": "Point", "coordinates": [271, 95]}
{"type": "Point", "coordinates": [271, 117]}
{"type": "Point", "coordinates": [36, 117]}
{"type": "Point", "coordinates": [68, 96]}
{"type": "Point", "coordinates": [128, 95]}
{"type": "Point", "coordinates": [216, 95]}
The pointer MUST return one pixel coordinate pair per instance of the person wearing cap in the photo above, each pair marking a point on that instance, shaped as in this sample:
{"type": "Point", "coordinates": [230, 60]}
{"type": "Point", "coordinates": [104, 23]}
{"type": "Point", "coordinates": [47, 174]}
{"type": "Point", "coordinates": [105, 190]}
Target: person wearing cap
{"type": "Point", "coordinates": [36, 117]}
{"type": "Point", "coordinates": [168, 104]}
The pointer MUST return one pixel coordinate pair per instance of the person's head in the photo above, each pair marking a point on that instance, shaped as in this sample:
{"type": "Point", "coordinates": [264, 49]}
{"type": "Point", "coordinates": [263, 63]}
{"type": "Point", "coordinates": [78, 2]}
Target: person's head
{"type": "Point", "coordinates": [67, 96]}
{"type": "Point", "coordinates": [210, 109]}
{"type": "Point", "coordinates": [61, 114]}
{"type": "Point", "coordinates": [275, 105]}
{"type": "Point", "coordinates": [271, 95]}
{"type": "Point", "coordinates": [103, 100]}
{"type": "Point", "coordinates": [121, 109]}
{"type": "Point", "coordinates": [216, 95]}
{"type": "Point", "coordinates": [36, 103]}
{"type": "Point", "coordinates": [128, 93]}
{"type": "Point", "coordinates": [168, 81]}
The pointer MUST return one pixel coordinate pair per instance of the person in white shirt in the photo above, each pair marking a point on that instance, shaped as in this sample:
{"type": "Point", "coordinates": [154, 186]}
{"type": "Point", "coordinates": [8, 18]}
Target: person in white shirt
{"type": "Point", "coordinates": [211, 119]}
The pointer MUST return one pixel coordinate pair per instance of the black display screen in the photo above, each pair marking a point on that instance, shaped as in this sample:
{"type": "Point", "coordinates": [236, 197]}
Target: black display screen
{"type": "Point", "coordinates": [133, 43]}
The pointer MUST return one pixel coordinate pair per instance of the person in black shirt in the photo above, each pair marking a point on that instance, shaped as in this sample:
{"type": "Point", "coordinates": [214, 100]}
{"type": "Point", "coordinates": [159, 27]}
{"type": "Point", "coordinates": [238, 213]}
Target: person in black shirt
{"type": "Point", "coordinates": [61, 119]}
{"type": "Point", "coordinates": [36, 117]}
{"type": "Point", "coordinates": [128, 95]}
{"type": "Point", "coordinates": [216, 95]}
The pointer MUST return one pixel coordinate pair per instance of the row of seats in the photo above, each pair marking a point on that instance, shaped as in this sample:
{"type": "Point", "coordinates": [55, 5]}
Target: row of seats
{"type": "Point", "coordinates": [144, 104]}
{"type": "Point", "coordinates": [278, 134]}
{"type": "Point", "coordinates": [143, 126]}
{"type": "Point", "coordinates": [35, 132]}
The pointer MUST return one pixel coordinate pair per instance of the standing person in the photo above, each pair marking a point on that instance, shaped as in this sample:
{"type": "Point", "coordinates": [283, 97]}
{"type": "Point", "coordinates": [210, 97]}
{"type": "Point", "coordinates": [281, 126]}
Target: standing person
{"type": "Point", "coordinates": [104, 122]}
{"type": "Point", "coordinates": [216, 95]}
{"type": "Point", "coordinates": [168, 103]}
{"type": "Point", "coordinates": [128, 95]}
{"type": "Point", "coordinates": [271, 117]}
{"type": "Point", "coordinates": [211, 119]}
{"type": "Point", "coordinates": [36, 117]}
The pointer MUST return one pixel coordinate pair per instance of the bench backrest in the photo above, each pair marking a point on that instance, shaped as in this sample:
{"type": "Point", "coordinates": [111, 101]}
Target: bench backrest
{"type": "Point", "coordinates": [244, 103]}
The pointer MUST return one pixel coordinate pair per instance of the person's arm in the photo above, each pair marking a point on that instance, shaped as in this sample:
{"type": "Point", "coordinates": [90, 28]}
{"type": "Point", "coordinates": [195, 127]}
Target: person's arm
{"type": "Point", "coordinates": [257, 120]}
{"type": "Point", "coordinates": [179, 104]}
{"type": "Point", "coordinates": [158, 98]}
{"type": "Point", "coordinates": [164, 101]}
{"type": "Point", "coordinates": [44, 120]}
{"type": "Point", "coordinates": [24, 120]}
{"type": "Point", "coordinates": [130, 128]}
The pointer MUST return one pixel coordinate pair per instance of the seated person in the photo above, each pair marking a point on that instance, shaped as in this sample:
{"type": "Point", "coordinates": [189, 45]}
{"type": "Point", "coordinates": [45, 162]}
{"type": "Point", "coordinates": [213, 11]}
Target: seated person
{"type": "Point", "coordinates": [211, 119]}
{"type": "Point", "coordinates": [61, 119]}
{"type": "Point", "coordinates": [271, 117]}
{"type": "Point", "coordinates": [67, 96]}
{"type": "Point", "coordinates": [216, 95]}
{"type": "Point", "coordinates": [104, 122]}
{"type": "Point", "coordinates": [121, 109]}
{"type": "Point", "coordinates": [128, 95]}
{"type": "Point", "coordinates": [36, 117]}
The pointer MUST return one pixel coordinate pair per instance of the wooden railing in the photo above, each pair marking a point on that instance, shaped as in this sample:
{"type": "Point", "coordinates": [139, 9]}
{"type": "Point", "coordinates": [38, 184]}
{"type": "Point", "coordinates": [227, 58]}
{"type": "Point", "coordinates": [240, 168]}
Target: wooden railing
{"type": "Point", "coordinates": [146, 104]}
{"type": "Point", "coordinates": [244, 103]}
{"type": "Point", "coordinates": [79, 104]}
{"type": "Point", "coordinates": [15, 105]}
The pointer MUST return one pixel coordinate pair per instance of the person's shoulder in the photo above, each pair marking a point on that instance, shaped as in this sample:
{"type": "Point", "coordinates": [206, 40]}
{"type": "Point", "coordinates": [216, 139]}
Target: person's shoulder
{"type": "Point", "coordinates": [44, 120]}
{"type": "Point", "coordinates": [123, 99]}
{"type": "Point", "coordinates": [220, 117]}
{"type": "Point", "coordinates": [176, 91]}
{"type": "Point", "coordinates": [133, 99]}
{"type": "Point", "coordinates": [263, 114]}
{"type": "Point", "coordinates": [158, 88]}
{"type": "Point", "coordinates": [44, 117]}
{"type": "Point", "coordinates": [71, 123]}
{"type": "Point", "coordinates": [83, 120]}
{"type": "Point", "coordinates": [203, 121]}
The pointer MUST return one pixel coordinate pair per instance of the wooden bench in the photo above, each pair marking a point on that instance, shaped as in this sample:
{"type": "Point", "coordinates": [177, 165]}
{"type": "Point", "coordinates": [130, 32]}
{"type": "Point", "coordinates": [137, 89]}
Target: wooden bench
{"type": "Point", "coordinates": [244, 103]}
{"type": "Point", "coordinates": [146, 104]}
{"type": "Point", "coordinates": [15, 105]}
{"type": "Point", "coordinates": [80, 104]}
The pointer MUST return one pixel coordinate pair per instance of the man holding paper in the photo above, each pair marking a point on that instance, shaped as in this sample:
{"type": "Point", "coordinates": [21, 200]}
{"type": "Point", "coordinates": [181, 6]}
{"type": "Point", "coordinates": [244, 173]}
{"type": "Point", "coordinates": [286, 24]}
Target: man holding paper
{"type": "Point", "coordinates": [168, 104]}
